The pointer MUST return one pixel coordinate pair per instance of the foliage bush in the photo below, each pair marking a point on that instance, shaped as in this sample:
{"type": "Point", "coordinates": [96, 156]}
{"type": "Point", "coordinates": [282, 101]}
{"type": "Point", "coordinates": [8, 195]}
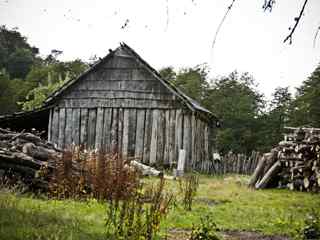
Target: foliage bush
{"type": "Point", "coordinates": [311, 229]}
{"type": "Point", "coordinates": [206, 230]}
{"type": "Point", "coordinates": [188, 186]}
{"type": "Point", "coordinates": [135, 219]}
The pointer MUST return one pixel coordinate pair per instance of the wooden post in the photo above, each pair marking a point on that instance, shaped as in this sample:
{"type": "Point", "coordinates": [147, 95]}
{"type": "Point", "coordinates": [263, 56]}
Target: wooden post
{"type": "Point", "coordinates": [181, 162]}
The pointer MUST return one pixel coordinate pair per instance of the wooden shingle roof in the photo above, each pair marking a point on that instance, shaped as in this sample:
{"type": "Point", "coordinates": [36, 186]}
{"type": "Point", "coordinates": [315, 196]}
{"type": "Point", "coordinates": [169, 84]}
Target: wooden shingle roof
{"type": "Point", "coordinates": [187, 101]}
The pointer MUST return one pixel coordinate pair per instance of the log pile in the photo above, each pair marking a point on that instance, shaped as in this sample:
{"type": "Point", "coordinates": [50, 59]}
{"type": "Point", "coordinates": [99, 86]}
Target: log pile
{"type": "Point", "coordinates": [293, 164]}
{"type": "Point", "coordinates": [24, 154]}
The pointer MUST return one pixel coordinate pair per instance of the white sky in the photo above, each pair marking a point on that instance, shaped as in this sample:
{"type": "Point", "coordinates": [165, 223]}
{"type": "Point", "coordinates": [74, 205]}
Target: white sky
{"type": "Point", "coordinates": [250, 39]}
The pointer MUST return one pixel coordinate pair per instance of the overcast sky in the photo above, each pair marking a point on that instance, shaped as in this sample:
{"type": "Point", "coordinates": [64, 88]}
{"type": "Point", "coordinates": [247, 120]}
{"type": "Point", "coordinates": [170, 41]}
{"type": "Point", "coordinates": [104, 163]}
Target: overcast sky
{"type": "Point", "coordinates": [178, 33]}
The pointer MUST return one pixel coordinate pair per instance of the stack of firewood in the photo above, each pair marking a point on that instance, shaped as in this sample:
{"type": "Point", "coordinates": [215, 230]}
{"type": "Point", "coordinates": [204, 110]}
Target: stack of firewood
{"type": "Point", "coordinates": [293, 164]}
{"type": "Point", "coordinates": [24, 154]}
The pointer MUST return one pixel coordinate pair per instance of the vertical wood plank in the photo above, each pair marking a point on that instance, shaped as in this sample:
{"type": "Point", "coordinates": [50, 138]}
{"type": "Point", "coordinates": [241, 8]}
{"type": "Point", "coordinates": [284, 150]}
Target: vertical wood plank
{"type": "Point", "coordinates": [206, 142]}
{"type": "Point", "coordinates": [132, 132]}
{"type": "Point", "coordinates": [107, 129]}
{"type": "Point", "coordinates": [76, 126]}
{"type": "Point", "coordinates": [154, 131]}
{"type": "Point", "coordinates": [92, 127]}
{"type": "Point", "coordinates": [84, 127]}
{"type": "Point", "coordinates": [120, 130]}
{"type": "Point", "coordinates": [125, 132]}
{"type": "Point", "coordinates": [99, 129]}
{"type": "Point", "coordinates": [193, 140]}
{"type": "Point", "coordinates": [138, 153]}
{"type": "Point", "coordinates": [202, 145]}
{"type": "Point", "coordinates": [178, 136]}
{"type": "Point", "coordinates": [186, 140]}
{"type": "Point", "coordinates": [114, 130]}
{"type": "Point", "coordinates": [55, 125]}
{"type": "Point", "coordinates": [68, 132]}
{"type": "Point", "coordinates": [172, 141]}
{"type": "Point", "coordinates": [198, 143]}
{"type": "Point", "coordinates": [62, 125]}
{"type": "Point", "coordinates": [147, 137]}
{"type": "Point", "coordinates": [160, 137]}
{"type": "Point", "coordinates": [167, 135]}
{"type": "Point", "coordinates": [49, 125]}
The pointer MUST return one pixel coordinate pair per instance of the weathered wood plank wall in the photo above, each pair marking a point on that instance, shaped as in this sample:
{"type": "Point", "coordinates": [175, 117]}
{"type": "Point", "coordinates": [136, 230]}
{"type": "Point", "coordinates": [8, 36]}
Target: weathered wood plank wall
{"type": "Point", "coordinates": [123, 107]}
{"type": "Point", "coordinates": [153, 135]}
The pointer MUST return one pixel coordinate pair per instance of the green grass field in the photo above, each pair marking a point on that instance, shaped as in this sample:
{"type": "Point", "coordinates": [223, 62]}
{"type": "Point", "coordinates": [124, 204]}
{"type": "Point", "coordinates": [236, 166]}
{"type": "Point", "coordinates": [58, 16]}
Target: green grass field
{"type": "Point", "coordinates": [232, 205]}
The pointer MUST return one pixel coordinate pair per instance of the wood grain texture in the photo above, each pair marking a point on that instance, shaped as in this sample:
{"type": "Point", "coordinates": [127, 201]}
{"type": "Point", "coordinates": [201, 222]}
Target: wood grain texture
{"type": "Point", "coordinates": [76, 126]}
{"type": "Point", "coordinates": [107, 129]}
{"type": "Point", "coordinates": [118, 103]}
{"type": "Point", "coordinates": [92, 120]}
{"type": "Point", "coordinates": [55, 125]}
{"type": "Point", "coordinates": [62, 125]}
{"type": "Point", "coordinates": [114, 130]}
{"type": "Point", "coordinates": [160, 137]}
{"type": "Point", "coordinates": [154, 137]}
{"type": "Point", "coordinates": [167, 135]}
{"type": "Point", "coordinates": [172, 139]}
{"type": "Point", "coordinates": [49, 125]}
{"type": "Point", "coordinates": [125, 132]}
{"type": "Point", "coordinates": [99, 128]}
{"type": "Point", "coordinates": [84, 127]}
{"type": "Point", "coordinates": [132, 131]}
{"type": "Point", "coordinates": [68, 132]}
{"type": "Point", "coordinates": [120, 130]}
{"type": "Point", "coordinates": [187, 140]}
{"type": "Point", "coordinates": [193, 141]}
{"type": "Point", "coordinates": [178, 136]}
{"type": "Point", "coordinates": [138, 154]}
{"type": "Point", "coordinates": [147, 137]}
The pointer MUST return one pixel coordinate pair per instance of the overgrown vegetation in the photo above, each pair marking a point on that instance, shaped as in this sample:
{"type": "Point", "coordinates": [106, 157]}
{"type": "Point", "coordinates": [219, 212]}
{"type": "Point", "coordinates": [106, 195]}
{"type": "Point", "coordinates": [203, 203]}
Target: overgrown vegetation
{"type": "Point", "coordinates": [311, 228]}
{"type": "Point", "coordinates": [232, 205]}
{"type": "Point", "coordinates": [135, 219]}
{"type": "Point", "coordinates": [206, 230]}
{"type": "Point", "coordinates": [188, 188]}
{"type": "Point", "coordinates": [84, 174]}
{"type": "Point", "coordinates": [134, 210]}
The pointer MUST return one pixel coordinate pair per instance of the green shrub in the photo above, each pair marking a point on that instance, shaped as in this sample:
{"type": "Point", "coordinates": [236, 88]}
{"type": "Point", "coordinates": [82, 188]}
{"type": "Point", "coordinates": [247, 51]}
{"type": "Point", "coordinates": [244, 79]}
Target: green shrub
{"type": "Point", "coordinates": [135, 219]}
{"type": "Point", "coordinates": [207, 230]}
{"type": "Point", "coordinates": [311, 229]}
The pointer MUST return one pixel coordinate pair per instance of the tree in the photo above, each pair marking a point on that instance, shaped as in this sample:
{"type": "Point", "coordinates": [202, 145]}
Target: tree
{"type": "Point", "coordinates": [235, 99]}
{"type": "Point", "coordinates": [16, 55]}
{"type": "Point", "coordinates": [305, 109]}
{"type": "Point", "coordinates": [11, 91]}
{"type": "Point", "coordinates": [274, 120]}
{"type": "Point", "coordinates": [48, 77]}
{"type": "Point", "coordinates": [192, 81]}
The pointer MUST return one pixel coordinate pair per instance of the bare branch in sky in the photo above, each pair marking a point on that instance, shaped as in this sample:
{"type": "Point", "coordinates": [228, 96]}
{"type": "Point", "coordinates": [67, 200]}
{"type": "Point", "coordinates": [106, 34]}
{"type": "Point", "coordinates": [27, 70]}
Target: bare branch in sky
{"type": "Point", "coordinates": [315, 37]}
{"type": "Point", "coordinates": [222, 21]}
{"type": "Point", "coordinates": [297, 20]}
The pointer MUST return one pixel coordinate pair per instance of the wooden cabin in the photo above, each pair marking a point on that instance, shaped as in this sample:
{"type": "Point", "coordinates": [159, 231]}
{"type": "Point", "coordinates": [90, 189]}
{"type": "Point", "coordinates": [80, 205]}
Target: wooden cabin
{"type": "Point", "coordinates": [122, 104]}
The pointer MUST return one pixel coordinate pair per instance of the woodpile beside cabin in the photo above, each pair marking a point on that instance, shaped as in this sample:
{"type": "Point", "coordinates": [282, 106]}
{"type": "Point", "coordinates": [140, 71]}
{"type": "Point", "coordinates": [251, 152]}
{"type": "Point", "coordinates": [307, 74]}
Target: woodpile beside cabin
{"type": "Point", "coordinates": [122, 104]}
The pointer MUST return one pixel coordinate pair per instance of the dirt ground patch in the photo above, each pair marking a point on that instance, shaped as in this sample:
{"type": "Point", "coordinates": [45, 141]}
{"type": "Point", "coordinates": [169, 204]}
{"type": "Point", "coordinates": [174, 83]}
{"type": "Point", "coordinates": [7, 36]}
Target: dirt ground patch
{"type": "Point", "coordinates": [182, 234]}
{"type": "Point", "coordinates": [245, 235]}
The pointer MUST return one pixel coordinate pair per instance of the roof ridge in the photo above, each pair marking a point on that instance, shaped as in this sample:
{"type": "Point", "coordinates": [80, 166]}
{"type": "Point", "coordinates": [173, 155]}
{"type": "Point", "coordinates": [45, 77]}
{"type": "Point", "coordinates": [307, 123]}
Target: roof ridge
{"type": "Point", "coordinates": [190, 103]}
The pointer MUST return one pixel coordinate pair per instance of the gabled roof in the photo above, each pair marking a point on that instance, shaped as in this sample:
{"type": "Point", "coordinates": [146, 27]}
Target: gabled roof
{"type": "Point", "coordinates": [189, 102]}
